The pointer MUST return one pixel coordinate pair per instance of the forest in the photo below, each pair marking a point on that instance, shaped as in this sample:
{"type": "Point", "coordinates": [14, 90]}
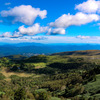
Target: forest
{"type": "Point", "coordinates": [60, 76]}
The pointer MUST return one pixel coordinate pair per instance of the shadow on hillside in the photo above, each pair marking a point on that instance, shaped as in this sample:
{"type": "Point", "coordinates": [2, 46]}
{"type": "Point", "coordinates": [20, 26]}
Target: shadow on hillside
{"type": "Point", "coordinates": [57, 67]}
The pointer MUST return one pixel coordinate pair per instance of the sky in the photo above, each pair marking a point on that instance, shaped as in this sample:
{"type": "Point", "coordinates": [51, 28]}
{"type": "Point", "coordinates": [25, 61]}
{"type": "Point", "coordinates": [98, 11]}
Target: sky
{"type": "Point", "coordinates": [50, 21]}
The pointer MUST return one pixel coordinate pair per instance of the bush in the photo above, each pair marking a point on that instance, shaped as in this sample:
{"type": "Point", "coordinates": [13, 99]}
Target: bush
{"type": "Point", "coordinates": [2, 76]}
{"type": "Point", "coordinates": [36, 59]}
{"type": "Point", "coordinates": [55, 98]}
{"type": "Point", "coordinates": [20, 94]}
{"type": "Point", "coordinates": [29, 67]}
{"type": "Point", "coordinates": [14, 77]}
{"type": "Point", "coordinates": [41, 94]}
{"type": "Point", "coordinates": [2, 93]}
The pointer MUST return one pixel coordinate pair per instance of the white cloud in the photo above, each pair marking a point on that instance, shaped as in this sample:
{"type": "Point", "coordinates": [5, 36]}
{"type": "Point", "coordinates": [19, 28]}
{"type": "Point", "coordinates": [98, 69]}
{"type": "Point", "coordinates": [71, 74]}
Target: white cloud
{"type": "Point", "coordinates": [52, 39]}
{"type": "Point", "coordinates": [33, 30]}
{"type": "Point", "coordinates": [16, 34]}
{"type": "Point", "coordinates": [6, 34]}
{"type": "Point", "coordinates": [24, 13]}
{"type": "Point", "coordinates": [77, 20]}
{"type": "Point", "coordinates": [8, 3]}
{"type": "Point", "coordinates": [59, 31]}
{"type": "Point", "coordinates": [56, 31]}
{"type": "Point", "coordinates": [83, 37]}
{"type": "Point", "coordinates": [90, 6]}
{"type": "Point", "coordinates": [39, 38]}
{"type": "Point", "coordinates": [89, 38]}
{"type": "Point", "coordinates": [11, 35]}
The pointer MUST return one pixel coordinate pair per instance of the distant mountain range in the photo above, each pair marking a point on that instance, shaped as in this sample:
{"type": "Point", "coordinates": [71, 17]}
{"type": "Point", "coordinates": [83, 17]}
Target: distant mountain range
{"type": "Point", "coordinates": [29, 49]}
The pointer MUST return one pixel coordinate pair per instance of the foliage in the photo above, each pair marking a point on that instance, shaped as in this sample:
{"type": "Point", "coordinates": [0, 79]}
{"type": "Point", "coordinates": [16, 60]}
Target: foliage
{"type": "Point", "coordinates": [41, 95]}
{"type": "Point", "coordinates": [57, 77]}
{"type": "Point", "coordinates": [2, 76]}
{"type": "Point", "coordinates": [20, 94]}
{"type": "Point", "coordinates": [29, 67]}
{"type": "Point", "coordinates": [39, 58]}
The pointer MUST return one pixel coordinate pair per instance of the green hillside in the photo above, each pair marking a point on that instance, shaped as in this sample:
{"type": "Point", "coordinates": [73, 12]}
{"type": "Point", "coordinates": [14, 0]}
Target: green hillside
{"type": "Point", "coordinates": [16, 57]}
{"type": "Point", "coordinates": [78, 53]}
{"type": "Point", "coordinates": [60, 76]}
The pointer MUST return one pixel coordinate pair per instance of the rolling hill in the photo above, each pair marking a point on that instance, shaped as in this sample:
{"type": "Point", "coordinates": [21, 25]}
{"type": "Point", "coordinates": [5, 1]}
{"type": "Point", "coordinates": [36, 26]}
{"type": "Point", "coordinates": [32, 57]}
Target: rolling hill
{"type": "Point", "coordinates": [78, 53]}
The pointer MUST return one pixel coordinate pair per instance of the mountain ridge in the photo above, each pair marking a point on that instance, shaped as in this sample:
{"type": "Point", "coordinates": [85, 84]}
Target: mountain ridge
{"type": "Point", "coordinates": [47, 49]}
{"type": "Point", "coordinates": [80, 52]}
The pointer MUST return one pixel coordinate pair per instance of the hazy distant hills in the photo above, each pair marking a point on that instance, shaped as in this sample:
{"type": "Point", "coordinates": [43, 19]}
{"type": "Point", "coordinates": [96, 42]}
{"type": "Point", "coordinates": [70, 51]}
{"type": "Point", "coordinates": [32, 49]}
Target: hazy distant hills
{"type": "Point", "coordinates": [29, 49]}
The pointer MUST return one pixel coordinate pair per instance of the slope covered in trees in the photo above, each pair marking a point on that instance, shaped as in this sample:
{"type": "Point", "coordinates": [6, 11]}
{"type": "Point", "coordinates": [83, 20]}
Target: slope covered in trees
{"type": "Point", "coordinates": [53, 77]}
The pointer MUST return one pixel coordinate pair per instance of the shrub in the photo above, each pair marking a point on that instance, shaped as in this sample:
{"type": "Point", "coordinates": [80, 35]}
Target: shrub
{"type": "Point", "coordinates": [20, 94]}
{"type": "Point", "coordinates": [2, 76]}
{"type": "Point", "coordinates": [41, 94]}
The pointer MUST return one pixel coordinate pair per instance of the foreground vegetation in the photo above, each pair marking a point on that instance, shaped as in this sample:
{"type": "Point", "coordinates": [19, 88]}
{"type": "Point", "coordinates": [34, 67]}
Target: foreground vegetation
{"type": "Point", "coordinates": [56, 77]}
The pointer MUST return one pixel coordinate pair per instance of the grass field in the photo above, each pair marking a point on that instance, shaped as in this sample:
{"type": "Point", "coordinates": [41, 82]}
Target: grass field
{"type": "Point", "coordinates": [39, 65]}
{"type": "Point", "coordinates": [8, 74]}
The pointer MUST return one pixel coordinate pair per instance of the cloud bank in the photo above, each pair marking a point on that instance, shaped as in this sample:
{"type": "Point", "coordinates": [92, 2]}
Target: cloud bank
{"type": "Point", "coordinates": [53, 39]}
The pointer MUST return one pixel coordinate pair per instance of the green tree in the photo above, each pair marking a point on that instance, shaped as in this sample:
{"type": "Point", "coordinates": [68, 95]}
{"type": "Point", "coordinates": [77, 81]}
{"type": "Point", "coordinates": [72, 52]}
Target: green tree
{"type": "Point", "coordinates": [2, 76]}
{"type": "Point", "coordinates": [20, 94]}
{"type": "Point", "coordinates": [4, 62]}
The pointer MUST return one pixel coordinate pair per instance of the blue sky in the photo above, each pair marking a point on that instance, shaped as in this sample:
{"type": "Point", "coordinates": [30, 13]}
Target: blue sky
{"type": "Point", "coordinates": [55, 21]}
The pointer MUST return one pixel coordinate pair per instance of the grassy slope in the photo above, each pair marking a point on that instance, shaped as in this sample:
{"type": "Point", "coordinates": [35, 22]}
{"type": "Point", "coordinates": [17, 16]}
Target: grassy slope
{"type": "Point", "coordinates": [93, 87]}
{"type": "Point", "coordinates": [77, 53]}
{"type": "Point", "coordinates": [88, 55]}
{"type": "Point", "coordinates": [92, 55]}
{"type": "Point", "coordinates": [8, 74]}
